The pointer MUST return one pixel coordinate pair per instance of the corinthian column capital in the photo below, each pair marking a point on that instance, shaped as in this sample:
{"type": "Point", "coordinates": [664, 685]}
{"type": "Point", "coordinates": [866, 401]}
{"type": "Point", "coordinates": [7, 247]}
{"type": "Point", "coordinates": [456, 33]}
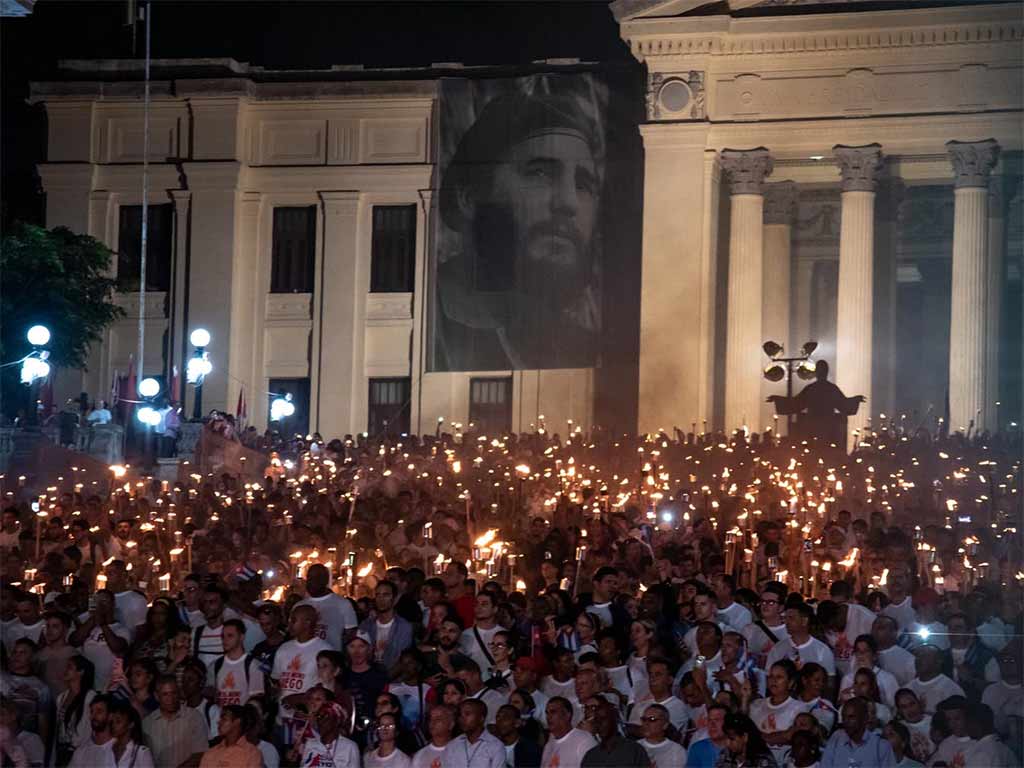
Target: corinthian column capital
{"type": "Point", "coordinates": [747, 169]}
{"type": "Point", "coordinates": [858, 166]}
{"type": "Point", "coordinates": [972, 161]}
{"type": "Point", "coordinates": [780, 202]}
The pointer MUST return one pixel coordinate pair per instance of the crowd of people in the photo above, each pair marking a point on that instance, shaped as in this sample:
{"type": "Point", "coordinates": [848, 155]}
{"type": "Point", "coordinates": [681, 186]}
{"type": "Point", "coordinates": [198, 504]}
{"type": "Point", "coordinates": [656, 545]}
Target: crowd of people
{"type": "Point", "coordinates": [462, 601]}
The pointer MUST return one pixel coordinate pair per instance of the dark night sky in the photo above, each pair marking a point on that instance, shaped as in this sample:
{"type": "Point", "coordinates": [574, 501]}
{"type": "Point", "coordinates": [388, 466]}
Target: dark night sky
{"type": "Point", "coordinates": [283, 34]}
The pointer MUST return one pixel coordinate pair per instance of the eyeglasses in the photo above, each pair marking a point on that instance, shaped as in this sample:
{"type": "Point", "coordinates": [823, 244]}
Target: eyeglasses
{"type": "Point", "coordinates": [769, 602]}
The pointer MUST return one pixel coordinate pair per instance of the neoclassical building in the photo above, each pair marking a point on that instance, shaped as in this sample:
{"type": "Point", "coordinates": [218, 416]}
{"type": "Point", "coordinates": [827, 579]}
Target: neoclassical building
{"type": "Point", "coordinates": [848, 176]}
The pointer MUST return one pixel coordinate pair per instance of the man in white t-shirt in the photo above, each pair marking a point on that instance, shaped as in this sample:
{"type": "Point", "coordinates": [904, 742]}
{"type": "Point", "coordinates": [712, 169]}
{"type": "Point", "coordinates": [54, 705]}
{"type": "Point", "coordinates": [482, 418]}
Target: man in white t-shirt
{"type": "Point", "coordinates": [844, 622]}
{"type": "Point", "coordinates": [328, 747]}
{"type": "Point", "coordinates": [1005, 697]}
{"type": "Point", "coordinates": [130, 606]}
{"type": "Point", "coordinates": [659, 692]}
{"type": "Point", "coordinates": [103, 640]}
{"type": "Point", "coordinates": [389, 633]}
{"type": "Point", "coordinates": [440, 725]}
{"type": "Point", "coordinates": [663, 752]}
{"type": "Point", "coordinates": [567, 745]}
{"type": "Point", "coordinates": [476, 641]}
{"type": "Point", "coordinates": [729, 611]}
{"type": "Point", "coordinates": [295, 664]}
{"type": "Point", "coordinates": [207, 642]}
{"type": "Point", "coordinates": [28, 623]}
{"type": "Point", "coordinates": [800, 647]}
{"type": "Point", "coordinates": [931, 686]}
{"type": "Point", "coordinates": [705, 608]}
{"type": "Point", "coordinates": [901, 605]}
{"type": "Point", "coordinates": [865, 656]}
{"type": "Point", "coordinates": [336, 618]}
{"type": "Point", "coordinates": [762, 635]}
{"type": "Point", "coordinates": [893, 659]}
{"type": "Point", "coordinates": [237, 675]}
{"type": "Point", "coordinates": [605, 586]}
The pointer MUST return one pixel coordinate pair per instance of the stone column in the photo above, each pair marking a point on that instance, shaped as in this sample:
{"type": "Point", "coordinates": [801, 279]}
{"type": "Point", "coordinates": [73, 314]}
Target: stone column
{"type": "Point", "coordinates": [743, 357]}
{"type": "Point", "coordinates": [180, 352]}
{"type": "Point", "coordinates": [888, 207]}
{"type": "Point", "coordinates": [972, 166]}
{"type": "Point", "coordinates": [859, 168]}
{"type": "Point", "coordinates": [997, 196]}
{"type": "Point", "coordinates": [779, 213]}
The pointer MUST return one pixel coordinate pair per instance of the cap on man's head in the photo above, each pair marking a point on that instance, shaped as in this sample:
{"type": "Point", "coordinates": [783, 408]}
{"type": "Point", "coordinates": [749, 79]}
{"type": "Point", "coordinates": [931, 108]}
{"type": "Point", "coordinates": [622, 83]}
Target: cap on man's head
{"type": "Point", "coordinates": [360, 635]}
{"type": "Point", "coordinates": [504, 122]}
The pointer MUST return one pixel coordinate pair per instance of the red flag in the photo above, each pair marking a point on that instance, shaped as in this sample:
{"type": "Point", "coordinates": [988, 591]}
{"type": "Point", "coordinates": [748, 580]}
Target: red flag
{"type": "Point", "coordinates": [175, 396]}
{"type": "Point", "coordinates": [128, 391]}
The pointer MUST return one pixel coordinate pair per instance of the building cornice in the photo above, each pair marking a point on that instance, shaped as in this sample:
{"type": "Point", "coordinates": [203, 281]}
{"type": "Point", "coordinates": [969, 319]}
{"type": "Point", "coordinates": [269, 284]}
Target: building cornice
{"type": "Point", "coordinates": [824, 33]}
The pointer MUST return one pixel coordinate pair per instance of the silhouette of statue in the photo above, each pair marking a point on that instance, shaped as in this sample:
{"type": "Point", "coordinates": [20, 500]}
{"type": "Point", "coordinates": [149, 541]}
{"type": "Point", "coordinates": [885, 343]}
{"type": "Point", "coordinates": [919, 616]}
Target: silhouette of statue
{"type": "Point", "coordinates": [821, 408]}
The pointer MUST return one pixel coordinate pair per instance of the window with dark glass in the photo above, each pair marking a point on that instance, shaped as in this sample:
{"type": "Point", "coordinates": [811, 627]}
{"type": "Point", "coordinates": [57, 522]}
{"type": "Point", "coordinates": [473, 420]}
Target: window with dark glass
{"type": "Point", "coordinates": [298, 422]}
{"type": "Point", "coordinates": [490, 405]}
{"type": "Point", "coordinates": [390, 401]}
{"type": "Point", "coordinates": [393, 249]}
{"type": "Point", "coordinates": [293, 250]}
{"type": "Point", "coordinates": [159, 245]}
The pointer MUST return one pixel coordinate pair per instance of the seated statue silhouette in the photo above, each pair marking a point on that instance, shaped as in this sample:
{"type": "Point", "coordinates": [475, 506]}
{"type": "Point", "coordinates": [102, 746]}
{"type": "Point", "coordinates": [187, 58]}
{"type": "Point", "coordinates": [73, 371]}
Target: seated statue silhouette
{"type": "Point", "coordinates": [821, 408]}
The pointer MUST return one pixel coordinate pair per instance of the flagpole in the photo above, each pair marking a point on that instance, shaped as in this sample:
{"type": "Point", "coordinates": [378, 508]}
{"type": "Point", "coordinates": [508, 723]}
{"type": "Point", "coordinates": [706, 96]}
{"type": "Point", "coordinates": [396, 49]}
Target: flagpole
{"type": "Point", "coordinates": [140, 371]}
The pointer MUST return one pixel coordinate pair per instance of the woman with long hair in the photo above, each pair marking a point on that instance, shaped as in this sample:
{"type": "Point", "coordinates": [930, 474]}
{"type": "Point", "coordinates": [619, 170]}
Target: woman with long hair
{"type": "Point", "coordinates": [898, 736]}
{"type": "Point", "coordinates": [153, 639]}
{"type": "Point", "coordinates": [126, 728]}
{"type": "Point", "coordinates": [586, 627]}
{"type": "Point", "coordinates": [865, 685]}
{"type": "Point", "coordinates": [744, 746]}
{"type": "Point", "coordinates": [73, 725]}
{"type": "Point", "coordinates": [142, 675]}
{"type": "Point", "coordinates": [499, 676]}
{"type": "Point", "coordinates": [813, 681]}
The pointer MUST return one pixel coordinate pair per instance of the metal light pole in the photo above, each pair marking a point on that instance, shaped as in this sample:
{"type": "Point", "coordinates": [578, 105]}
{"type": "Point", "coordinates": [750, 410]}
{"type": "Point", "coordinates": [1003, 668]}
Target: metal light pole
{"type": "Point", "coordinates": [776, 372]}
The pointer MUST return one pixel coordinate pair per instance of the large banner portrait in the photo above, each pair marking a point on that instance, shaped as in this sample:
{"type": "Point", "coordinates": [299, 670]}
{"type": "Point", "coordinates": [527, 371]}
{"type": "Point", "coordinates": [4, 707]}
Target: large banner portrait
{"type": "Point", "coordinates": [523, 211]}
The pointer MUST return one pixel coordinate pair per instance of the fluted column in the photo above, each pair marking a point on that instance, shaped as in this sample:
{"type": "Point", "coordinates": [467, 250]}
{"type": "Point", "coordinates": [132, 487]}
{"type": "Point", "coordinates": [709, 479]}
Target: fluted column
{"type": "Point", "coordinates": [972, 166]}
{"type": "Point", "coordinates": [859, 168]}
{"type": "Point", "coordinates": [779, 212]}
{"type": "Point", "coordinates": [994, 291]}
{"type": "Point", "coordinates": [746, 171]}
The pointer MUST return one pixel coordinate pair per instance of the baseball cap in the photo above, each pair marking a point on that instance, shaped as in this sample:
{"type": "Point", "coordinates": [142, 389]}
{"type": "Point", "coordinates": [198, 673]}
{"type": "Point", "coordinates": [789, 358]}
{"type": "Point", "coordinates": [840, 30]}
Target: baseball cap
{"type": "Point", "coordinates": [361, 636]}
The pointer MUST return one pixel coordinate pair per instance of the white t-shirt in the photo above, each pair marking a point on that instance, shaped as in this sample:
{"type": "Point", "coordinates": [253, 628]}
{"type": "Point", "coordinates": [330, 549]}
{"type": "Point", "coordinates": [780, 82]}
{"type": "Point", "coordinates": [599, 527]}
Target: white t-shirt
{"type": "Point", "coordinates": [604, 610]}
{"type": "Point", "coordinates": [903, 612]}
{"type": "Point", "coordinates": [233, 685]}
{"type": "Point", "coordinates": [343, 753]}
{"type": "Point", "coordinates": [130, 609]}
{"type": "Point", "coordinates": [271, 757]}
{"type": "Point", "coordinates": [736, 616]}
{"type": "Point", "coordinates": [383, 639]}
{"type": "Point", "coordinates": [16, 630]}
{"type": "Point", "coordinates": [990, 752]}
{"type": "Point", "coordinates": [551, 688]}
{"type": "Point", "coordinates": [759, 645]}
{"type": "Point", "coordinates": [666, 754]}
{"type": "Point", "coordinates": [936, 690]}
{"type": "Point", "coordinates": [334, 615]}
{"type": "Point", "coordinates": [1004, 700]}
{"type": "Point", "coordinates": [858, 622]}
{"type": "Point", "coordinates": [471, 647]}
{"type": "Point", "coordinates": [921, 737]}
{"type": "Point", "coordinates": [770, 718]}
{"type": "Point", "coordinates": [677, 711]}
{"type": "Point", "coordinates": [211, 643]}
{"type": "Point", "coordinates": [568, 751]}
{"type": "Point", "coordinates": [397, 759]}
{"type": "Point", "coordinates": [812, 650]}
{"type": "Point", "coordinates": [428, 757]}
{"type": "Point", "coordinates": [887, 684]}
{"type": "Point", "coordinates": [953, 751]}
{"type": "Point", "coordinates": [96, 650]}
{"type": "Point", "coordinates": [898, 661]}
{"type": "Point", "coordinates": [295, 670]}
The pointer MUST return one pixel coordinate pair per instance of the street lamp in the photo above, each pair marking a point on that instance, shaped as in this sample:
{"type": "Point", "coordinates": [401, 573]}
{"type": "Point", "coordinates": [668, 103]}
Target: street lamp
{"type": "Point", "coordinates": [149, 388]}
{"type": "Point", "coordinates": [783, 368]}
{"type": "Point", "coordinates": [282, 408]}
{"type": "Point", "coordinates": [198, 368]}
{"type": "Point", "coordinates": [34, 367]}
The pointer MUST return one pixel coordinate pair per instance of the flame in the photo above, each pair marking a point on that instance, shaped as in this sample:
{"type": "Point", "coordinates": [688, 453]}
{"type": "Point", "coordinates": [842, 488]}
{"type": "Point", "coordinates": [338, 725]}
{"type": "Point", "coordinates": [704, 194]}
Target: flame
{"type": "Point", "coordinates": [486, 539]}
{"type": "Point", "coordinates": [851, 559]}
{"type": "Point", "coordinates": [365, 571]}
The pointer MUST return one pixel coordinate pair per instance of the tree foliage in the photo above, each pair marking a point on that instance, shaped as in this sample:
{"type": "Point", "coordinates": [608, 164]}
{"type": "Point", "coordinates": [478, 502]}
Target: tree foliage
{"type": "Point", "coordinates": [58, 279]}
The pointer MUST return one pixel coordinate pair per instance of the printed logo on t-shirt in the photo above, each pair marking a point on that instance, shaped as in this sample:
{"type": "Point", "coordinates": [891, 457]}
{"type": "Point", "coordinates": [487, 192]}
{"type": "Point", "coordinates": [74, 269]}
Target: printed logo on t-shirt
{"type": "Point", "coordinates": [229, 693]}
{"type": "Point", "coordinates": [293, 677]}
{"type": "Point", "coordinates": [321, 630]}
